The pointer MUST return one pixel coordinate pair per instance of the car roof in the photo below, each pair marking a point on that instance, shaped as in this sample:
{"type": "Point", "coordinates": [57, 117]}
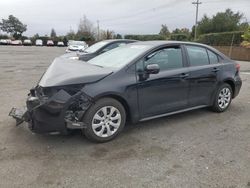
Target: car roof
{"type": "Point", "coordinates": [156, 43]}
{"type": "Point", "coordinates": [119, 40]}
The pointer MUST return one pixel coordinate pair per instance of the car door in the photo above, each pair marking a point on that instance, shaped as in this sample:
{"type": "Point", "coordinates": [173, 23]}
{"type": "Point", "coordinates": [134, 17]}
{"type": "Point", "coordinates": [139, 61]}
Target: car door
{"type": "Point", "coordinates": [203, 75]}
{"type": "Point", "coordinates": [166, 91]}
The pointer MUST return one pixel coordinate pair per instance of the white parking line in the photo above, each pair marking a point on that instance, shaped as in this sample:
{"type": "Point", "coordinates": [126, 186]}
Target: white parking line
{"type": "Point", "coordinates": [248, 73]}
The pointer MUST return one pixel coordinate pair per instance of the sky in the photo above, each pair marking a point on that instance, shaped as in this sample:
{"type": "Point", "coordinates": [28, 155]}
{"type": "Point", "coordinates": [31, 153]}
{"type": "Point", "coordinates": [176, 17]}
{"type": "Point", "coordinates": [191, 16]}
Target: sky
{"type": "Point", "coordinates": [120, 16]}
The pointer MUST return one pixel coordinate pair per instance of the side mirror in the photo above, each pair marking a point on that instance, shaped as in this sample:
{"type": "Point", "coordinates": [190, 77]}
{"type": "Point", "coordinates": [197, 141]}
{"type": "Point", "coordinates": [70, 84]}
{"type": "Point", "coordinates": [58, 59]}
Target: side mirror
{"type": "Point", "coordinates": [152, 69]}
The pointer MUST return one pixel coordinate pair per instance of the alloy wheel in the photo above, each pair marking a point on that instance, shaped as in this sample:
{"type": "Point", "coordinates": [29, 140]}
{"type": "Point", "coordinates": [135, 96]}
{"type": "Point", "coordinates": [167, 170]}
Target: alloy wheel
{"type": "Point", "coordinates": [224, 98]}
{"type": "Point", "coordinates": [106, 121]}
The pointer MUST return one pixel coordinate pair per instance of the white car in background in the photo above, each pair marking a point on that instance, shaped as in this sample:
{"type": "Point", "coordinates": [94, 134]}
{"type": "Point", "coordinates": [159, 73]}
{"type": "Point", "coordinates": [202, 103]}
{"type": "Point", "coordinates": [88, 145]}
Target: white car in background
{"type": "Point", "coordinates": [16, 42]}
{"type": "Point", "coordinates": [39, 42]}
{"type": "Point", "coordinates": [50, 43]}
{"type": "Point", "coordinates": [3, 41]}
{"type": "Point", "coordinates": [60, 44]}
{"type": "Point", "coordinates": [74, 46]}
{"type": "Point", "coordinates": [27, 42]}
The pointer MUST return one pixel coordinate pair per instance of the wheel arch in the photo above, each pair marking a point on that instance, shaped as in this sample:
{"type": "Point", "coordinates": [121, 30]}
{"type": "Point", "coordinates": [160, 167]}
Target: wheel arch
{"type": "Point", "coordinates": [232, 84]}
{"type": "Point", "coordinates": [120, 99]}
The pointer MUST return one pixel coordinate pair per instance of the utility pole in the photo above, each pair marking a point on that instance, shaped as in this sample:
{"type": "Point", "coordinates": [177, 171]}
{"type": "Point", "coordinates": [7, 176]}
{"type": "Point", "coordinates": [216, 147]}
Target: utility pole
{"type": "Point", "coordinates": [98, 30]}
{"type": "Point", "coordinates": [197, 3]}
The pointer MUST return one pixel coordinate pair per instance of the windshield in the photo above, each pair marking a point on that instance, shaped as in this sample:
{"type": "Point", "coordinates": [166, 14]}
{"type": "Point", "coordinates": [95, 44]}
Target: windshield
{"type": "Point", "coordinates": [96, 47]}
{"type": "Point", "coordinates": [119, 57]}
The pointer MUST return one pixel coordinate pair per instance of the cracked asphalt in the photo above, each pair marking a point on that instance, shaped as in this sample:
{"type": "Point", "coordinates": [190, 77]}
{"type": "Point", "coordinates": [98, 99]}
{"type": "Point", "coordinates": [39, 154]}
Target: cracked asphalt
{"type": "Point", "coordinates": [189, 150]}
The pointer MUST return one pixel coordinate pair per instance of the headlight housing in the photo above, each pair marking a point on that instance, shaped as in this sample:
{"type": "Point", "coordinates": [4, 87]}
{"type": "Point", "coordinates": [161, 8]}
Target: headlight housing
{"type": "Point", "coordinates": [47, 92]}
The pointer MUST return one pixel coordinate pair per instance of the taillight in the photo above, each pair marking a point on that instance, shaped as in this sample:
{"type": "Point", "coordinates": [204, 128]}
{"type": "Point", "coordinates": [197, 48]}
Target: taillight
{"type": "Point", "coordinates": [237, 66]}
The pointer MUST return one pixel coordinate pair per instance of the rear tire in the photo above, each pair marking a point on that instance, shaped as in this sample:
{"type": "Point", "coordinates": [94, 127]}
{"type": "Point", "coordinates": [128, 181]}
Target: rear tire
{"type": "Point", "coordinates": [222, 98]}
{"type": "Point", "coordinates": [105, 119]}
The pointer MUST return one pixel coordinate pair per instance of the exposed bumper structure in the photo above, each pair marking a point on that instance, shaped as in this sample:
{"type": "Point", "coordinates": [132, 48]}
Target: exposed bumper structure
{"type": "Point", "coordinates": [20, 115]}
{"type": "Point", "coordinates": [57, 113]}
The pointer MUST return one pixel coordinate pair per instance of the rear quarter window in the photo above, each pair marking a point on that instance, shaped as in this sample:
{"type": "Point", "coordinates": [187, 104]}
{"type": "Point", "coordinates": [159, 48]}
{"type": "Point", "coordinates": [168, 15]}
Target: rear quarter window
{"type": "Point", "coordinates": [213, 58]}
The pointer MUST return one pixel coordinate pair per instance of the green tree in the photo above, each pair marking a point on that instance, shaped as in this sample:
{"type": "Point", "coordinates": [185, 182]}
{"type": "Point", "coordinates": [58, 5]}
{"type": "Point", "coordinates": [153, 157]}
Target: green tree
{"type": "Point", "coordinates": [118, 36]}
{"type": "Point", "coordinates": [164, 31]}
{"type": "Point", "coordinates": [53, 33]}
{"type": "Point", "coordinates": [246, 35]}
{"type": "Point", "coordinates": [65, 41]}
{"type": "Point", "coordinates": [205, 25]}
{"type": "Point", "coordinates": [181, 31]}
{"type": "Point", "coordinates": [36, 36]}
{"type": "Point", "coordinates": [221, 22]}
{"type": "Point", "coordinates": [13, 26]}
{"type": "Point", "coordinates": [71, 35]}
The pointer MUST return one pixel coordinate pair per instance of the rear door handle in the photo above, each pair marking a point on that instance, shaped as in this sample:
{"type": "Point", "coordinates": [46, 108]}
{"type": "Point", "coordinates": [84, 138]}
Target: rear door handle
{"type": "Point", "coordinates": [184, 75]}
{"type": "Point", "coordinates": [215, 69]}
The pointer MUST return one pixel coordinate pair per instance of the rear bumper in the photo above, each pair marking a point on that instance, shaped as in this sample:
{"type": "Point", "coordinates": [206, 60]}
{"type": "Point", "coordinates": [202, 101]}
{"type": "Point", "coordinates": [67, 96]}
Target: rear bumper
{"type": "Point", "coordinates": [238, 84]}
{"type": "Point", "coordinates": [52, 115]}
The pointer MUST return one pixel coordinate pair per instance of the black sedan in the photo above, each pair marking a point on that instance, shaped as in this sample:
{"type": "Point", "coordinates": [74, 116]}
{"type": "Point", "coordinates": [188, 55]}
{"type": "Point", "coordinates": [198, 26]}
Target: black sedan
{"type": "Point", "coordinates": [136, 82]}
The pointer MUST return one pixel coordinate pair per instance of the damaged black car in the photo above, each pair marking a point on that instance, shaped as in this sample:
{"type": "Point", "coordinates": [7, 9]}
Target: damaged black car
{"type": "Point", "coordinates": [135, 82]}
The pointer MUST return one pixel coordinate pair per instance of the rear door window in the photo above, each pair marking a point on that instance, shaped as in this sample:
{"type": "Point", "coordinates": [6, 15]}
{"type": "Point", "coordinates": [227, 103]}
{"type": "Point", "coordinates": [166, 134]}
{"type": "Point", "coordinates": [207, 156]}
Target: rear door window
{"type": "Point", "coordinates": [197, 56]}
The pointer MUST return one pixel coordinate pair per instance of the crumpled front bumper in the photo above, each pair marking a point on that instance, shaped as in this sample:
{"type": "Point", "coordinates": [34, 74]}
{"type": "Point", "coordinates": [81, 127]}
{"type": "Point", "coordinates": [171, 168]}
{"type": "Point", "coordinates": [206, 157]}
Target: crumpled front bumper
{"type": "Point", "coordinates": [58, 113]}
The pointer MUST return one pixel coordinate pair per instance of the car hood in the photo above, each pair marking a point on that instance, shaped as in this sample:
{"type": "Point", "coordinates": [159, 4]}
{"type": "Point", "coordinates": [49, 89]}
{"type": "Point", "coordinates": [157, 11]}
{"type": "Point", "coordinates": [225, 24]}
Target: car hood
{"type": "Point", "coordinates": [67, 72]}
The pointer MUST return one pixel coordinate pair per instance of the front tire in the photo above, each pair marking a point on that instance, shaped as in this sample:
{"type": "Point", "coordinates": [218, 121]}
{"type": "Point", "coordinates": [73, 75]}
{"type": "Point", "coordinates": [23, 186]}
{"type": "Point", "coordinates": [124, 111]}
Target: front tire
{"type": "Point", "coordinates": [105, 120]}
{"type": "Point", "coordinates": [223, 98]}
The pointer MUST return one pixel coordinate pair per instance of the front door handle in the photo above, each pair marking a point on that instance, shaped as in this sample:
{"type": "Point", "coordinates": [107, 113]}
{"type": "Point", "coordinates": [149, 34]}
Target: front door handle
{"type": "Point", "coordinates": [215, 69]}
{"type": "Point", "coordinates": [184, 75]}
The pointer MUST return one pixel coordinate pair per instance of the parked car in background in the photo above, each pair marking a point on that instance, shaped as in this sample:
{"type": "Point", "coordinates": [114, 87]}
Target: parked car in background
{"type": "Point", "coordinates": [50, 43]}
{"type": "Point", "coordinates": [60, 44]}
{"type": "Point", "coordinates": [8, 41]}
{"type": "Point", "coordinates": [74, 46]}
{"type": "Point", "coordinates": [16, 42]}
{"type": "Point", "coordinates": [98, 48]}
{"type": "Point", "coordinates": [39, 42]}
{"type": "Point", "coordinates": [3, 42]}
{"type": "Point", "coordinates": [139, 81]}
{"type": "Point", "coordinates": [27, 42]}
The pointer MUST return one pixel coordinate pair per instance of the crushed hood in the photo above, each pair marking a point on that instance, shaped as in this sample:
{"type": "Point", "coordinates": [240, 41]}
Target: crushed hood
{"type": "Point", "coordinates": [67, 72]}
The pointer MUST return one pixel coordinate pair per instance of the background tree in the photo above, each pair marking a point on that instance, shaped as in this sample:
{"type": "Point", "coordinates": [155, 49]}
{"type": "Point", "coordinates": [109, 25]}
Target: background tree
{"type": "Point", "coordinates": [181, 31]}
{"type": "Point", "coordinates": [164, 31]}
{"type": "Point", "coordinates": [13, 26]}
{"type": "Point", "coordinates": [246, 35]}
{"type": "Point", "coordinates": [53, 33]}
{"type": "Point", "coordinates": [182, 34]}
{"type": "Point", "coordinates": [86, 30]}
{"type": "Point", "coordinates": [246, 38]}
{"type": "Point", "coordinates": [36, 36]}
{"type": "Point", "coordinates": [221, 22]}
{"type": "Point", "coordinates": [118, 36]}
{"type": "Point", "coordinates": [71, 35]}
{"type": "Point", "coordinates": [106, 34]}
{"type": "Point", "coordinates": [65, 41]}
